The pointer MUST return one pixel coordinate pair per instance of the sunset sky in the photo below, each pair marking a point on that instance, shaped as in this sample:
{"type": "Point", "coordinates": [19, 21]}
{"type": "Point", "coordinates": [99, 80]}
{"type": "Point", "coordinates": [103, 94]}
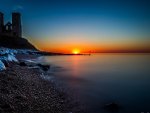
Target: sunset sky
{"type": "Point", "coordinates": [87, 25]}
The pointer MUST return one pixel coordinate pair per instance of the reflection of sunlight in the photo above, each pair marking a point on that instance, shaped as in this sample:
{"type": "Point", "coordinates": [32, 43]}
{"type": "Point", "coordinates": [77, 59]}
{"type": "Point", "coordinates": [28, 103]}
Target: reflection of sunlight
{"type": "Point", "coordinates": [75, 61]}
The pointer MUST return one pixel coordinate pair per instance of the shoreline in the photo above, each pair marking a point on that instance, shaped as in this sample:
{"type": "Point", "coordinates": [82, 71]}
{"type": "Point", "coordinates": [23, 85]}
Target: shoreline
{"type": "Point", "coordinates": [23, 90]}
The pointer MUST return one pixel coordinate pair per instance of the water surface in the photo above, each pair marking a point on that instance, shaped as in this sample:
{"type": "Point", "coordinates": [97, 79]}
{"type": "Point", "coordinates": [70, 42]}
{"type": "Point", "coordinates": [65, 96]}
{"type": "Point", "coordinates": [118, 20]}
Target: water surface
{"type": "Point", "coordinates": [104, 78]}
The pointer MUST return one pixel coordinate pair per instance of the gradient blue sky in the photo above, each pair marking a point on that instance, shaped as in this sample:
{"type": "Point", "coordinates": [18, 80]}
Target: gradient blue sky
{"type": "Point", "coordinates": [91, 25]}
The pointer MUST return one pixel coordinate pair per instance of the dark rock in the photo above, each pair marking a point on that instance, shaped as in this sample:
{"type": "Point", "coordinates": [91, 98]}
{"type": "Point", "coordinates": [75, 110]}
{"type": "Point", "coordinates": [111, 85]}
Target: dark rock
{"type": "Point", "coordinates": [44, 67]}
{"type": "Point", "coordinates": [112, 107]}
{"type": "Point", "coordinates": [6, 107]}
{"type": "Point", "coordinates": [22, 64]}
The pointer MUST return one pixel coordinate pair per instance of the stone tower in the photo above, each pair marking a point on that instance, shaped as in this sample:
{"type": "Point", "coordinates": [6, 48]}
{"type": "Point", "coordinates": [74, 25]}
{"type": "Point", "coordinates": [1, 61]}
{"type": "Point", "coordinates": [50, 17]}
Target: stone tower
{"type": "Point", "coordinates": [16, 24]}
{"type": "Point", "coordinates": [1, 22]}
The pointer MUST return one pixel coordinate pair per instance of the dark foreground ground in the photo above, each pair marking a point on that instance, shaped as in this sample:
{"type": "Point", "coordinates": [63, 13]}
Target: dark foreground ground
{"type": "Point", "coordinates": [22, 90]}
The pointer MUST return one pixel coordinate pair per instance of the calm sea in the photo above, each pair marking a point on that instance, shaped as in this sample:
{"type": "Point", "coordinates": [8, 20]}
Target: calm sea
{"type": "Point", "coordinates": [100, 79]}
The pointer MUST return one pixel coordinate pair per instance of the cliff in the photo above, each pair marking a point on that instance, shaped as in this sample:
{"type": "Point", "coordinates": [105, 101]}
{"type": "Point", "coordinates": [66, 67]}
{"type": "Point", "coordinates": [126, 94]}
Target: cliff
{"type": "Point", "coordinates": [15, 43]}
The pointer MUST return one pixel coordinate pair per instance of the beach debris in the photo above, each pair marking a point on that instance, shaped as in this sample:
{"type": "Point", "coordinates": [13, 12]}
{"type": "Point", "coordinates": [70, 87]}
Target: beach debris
{"type": "Point", "coordinates": [112, 107]}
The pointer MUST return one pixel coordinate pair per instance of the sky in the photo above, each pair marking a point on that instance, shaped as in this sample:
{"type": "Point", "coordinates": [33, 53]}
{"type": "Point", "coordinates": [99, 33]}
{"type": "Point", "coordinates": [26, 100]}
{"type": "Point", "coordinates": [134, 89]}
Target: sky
{"type": "Point", "coordinates": [86, 25]}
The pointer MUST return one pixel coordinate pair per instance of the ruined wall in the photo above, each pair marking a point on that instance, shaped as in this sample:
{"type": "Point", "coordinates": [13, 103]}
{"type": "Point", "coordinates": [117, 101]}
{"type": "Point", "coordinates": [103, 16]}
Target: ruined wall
{"type": "Point", "coordinates": [16, 24]}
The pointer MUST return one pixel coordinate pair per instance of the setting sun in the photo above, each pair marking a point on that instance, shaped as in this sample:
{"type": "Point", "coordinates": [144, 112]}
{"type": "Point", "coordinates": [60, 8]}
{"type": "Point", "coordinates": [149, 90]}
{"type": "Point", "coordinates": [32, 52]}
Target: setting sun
{"type": "Point", "coordinates": [76, 51]}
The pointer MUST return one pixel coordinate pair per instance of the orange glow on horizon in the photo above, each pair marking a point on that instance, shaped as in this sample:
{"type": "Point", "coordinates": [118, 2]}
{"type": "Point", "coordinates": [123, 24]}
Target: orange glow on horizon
{"type": "Point", "coordinates": [75, 47]}
{"type": "Point", "coordinates": [76, 51]}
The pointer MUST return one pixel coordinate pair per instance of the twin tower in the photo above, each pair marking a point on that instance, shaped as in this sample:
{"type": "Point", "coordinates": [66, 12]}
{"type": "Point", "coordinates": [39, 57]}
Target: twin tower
{"type": "Point", "coordinates": [11, 28]}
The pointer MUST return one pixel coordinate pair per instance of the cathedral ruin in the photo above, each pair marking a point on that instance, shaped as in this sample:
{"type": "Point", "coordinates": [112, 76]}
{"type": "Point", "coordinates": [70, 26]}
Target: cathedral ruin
{"type": "Point", "coordinates": [11, 28]}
